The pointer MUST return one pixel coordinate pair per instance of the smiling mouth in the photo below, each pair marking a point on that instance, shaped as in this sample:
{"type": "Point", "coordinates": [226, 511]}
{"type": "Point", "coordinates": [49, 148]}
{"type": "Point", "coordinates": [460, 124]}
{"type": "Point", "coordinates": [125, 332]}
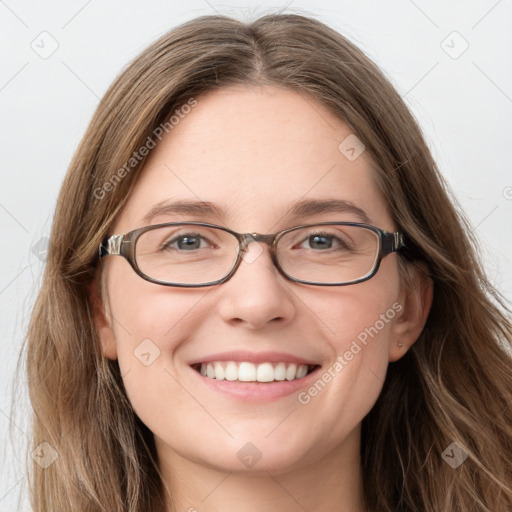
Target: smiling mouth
{"type": "Point", "coordinates": [244, 371]}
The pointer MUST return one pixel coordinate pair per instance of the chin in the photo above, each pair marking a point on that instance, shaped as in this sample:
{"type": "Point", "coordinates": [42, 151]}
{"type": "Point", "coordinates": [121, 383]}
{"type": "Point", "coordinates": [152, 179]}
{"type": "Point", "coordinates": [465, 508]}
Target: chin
{"type": "Point", "coordinates": [257, 458]}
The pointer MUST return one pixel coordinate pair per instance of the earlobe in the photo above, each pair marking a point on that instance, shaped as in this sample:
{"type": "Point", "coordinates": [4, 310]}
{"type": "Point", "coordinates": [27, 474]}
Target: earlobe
{"type": "Point", "coordinates": [106, 334]}
{"type": "Point", "coordinates": [416, 299]}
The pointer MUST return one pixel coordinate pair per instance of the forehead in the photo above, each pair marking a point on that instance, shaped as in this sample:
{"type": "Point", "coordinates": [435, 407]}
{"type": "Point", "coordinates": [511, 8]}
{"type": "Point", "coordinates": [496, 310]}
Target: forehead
{"type": "Point", "coordinates": [253, 151]}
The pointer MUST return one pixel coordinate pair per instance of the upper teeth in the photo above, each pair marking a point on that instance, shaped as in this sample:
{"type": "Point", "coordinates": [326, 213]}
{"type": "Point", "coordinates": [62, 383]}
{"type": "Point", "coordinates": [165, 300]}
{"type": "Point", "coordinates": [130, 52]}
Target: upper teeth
{"type": "Point", "coordinates": [250, 372]}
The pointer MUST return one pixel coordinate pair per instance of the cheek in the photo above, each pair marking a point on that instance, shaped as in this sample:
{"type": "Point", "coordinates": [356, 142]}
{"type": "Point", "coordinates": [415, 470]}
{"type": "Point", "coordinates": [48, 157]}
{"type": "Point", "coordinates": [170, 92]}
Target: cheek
{"type": "Point", "coordinates": [150, 323]}
{"type": "Point", "coordinates": [358, 325]}
{"type": "Point", "coordinates": [143, 310]}
{"type": "Point", "coordinates": [360, 312]}
{"type": "Point", "coordinates": [147, 354]}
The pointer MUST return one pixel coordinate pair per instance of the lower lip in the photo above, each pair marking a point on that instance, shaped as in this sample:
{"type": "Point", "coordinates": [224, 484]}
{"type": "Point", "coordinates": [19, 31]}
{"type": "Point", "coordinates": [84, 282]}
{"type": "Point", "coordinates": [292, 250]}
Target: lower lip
{"type": "Point", "coordinates": [258, 391]}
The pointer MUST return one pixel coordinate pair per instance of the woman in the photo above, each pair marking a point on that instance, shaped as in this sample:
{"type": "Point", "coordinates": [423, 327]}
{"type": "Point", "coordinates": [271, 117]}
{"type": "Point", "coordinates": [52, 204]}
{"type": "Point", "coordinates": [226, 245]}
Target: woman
{"type": "Point", "coordinates": [259, 294]}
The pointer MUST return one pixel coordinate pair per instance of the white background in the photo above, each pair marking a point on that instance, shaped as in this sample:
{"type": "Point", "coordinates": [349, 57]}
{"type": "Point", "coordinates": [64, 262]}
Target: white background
{"type": "Point", "coordinates": [463, 104]}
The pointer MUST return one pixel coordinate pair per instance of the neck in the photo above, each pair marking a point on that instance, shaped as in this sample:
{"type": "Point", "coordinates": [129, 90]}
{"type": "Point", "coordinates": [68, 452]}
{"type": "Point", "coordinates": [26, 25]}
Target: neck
{"type": "Point", "coordinates": [330, 483]}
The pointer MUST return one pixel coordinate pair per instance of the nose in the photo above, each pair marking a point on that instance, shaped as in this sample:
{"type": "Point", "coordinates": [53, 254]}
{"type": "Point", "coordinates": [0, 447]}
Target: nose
{"type": "Point", "coordinates": [257, 294]}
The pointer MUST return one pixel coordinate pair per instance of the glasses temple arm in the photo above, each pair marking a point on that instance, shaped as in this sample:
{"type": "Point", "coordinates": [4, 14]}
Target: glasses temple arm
{"type": "Point", "coordinates": [111, 246]}
{"type": "Point", "coordinates": [392, 242]}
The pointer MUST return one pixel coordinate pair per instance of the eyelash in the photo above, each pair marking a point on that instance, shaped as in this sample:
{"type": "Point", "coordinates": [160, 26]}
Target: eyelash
{"type": "Point", "coordinates": [331, 236]}
{"type": "Point", "coordinates": [166, 245]}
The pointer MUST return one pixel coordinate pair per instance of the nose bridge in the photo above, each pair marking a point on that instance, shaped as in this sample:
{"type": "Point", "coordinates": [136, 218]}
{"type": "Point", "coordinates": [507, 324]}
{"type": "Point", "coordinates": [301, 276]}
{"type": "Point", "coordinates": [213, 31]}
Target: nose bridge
{"type": "Point", "coordinates": [258, 237]}
{"type": "Point", "coordinates": [247, 238]}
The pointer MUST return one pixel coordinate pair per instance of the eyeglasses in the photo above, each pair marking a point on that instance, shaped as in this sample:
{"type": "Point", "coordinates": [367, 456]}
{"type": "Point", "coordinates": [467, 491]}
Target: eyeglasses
{"type": "Point", "coordinates": [195, 254]}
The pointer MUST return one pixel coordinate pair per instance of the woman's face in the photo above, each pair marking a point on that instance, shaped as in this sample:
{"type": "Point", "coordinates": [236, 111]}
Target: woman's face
{"type": "Point", "coordinates": [253, 153]}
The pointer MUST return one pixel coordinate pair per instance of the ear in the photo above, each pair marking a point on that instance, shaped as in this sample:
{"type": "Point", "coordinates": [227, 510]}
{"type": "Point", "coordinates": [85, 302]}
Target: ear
{"type": "Point", "coordinates": [416, 300]}
{"type": "Point", "coordinates": [107, 339]}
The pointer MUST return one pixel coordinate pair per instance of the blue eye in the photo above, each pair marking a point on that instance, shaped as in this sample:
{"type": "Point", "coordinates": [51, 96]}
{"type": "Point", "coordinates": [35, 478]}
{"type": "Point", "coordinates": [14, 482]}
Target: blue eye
{"type": "Point", "coordinates": [186, 242]}
{"type": "Point", "coordinates": [325, 241]}
{"type": "Point", "coordinates": [320, 241]}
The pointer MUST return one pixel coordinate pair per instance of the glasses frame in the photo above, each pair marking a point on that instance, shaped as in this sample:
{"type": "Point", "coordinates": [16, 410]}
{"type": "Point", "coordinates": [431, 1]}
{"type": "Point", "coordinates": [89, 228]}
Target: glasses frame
{"type": "Point", "coordinates": [124, 245]}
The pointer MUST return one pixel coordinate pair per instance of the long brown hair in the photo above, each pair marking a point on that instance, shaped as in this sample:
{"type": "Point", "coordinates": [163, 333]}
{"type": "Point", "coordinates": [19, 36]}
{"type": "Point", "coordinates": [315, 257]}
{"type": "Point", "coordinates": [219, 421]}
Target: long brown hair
{"type": "Point", "coordinates": [453, 385]}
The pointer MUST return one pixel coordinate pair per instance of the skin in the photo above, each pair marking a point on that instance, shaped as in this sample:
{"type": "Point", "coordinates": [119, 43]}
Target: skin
{"type": "Point", "coordinates": [253, 151]}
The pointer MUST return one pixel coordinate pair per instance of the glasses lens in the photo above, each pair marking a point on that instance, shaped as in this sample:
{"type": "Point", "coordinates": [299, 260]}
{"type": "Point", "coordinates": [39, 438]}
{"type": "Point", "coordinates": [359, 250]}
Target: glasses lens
{"type": "Point", "coordinates": [186, 254]}
{"type": "Point", "coordinates": [328, 254]}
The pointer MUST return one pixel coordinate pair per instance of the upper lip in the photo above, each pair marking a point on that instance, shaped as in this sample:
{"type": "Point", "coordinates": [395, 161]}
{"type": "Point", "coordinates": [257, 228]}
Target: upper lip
{"type": "Point", "coordinates": [253, 357]}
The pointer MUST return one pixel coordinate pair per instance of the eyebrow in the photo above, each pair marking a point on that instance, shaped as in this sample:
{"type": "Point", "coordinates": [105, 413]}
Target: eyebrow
{"type": "Point", "coordinates": [184, 207]}
{"type": "Point", "coordinates": [299, 209]}
{"type": "Point", "coordinates": [309, 208]}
